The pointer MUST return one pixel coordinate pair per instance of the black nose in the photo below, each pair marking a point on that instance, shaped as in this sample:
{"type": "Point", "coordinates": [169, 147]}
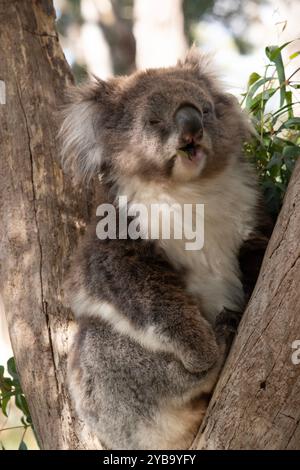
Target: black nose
{"type": "Point", "coordinates": [189, 123]}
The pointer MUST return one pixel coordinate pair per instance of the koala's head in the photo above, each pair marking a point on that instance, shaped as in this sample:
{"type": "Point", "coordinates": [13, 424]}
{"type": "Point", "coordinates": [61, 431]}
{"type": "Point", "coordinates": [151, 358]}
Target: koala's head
{"type": "Point", "coordinates": [165, 124]}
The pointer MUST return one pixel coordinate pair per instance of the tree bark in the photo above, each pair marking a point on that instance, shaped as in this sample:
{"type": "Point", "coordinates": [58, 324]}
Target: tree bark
{"type": "Point", "coordinates": [256, 404]}
{"type": "Point", "coordinates": [159, 33]}
{"type": "Point", "coordinates": [41, 216]}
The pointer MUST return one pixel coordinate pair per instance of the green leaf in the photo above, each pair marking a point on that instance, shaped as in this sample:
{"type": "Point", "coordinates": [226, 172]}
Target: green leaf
{"type": "Point", "coordinates": [291, 151]}
{"type": "Point", "coordinates": [4, 403]}
{"type": "Point", "coordinates": [182, 153]}
{"type": "Point", "coordinates": [5, 384]}
{"type": "Point", "coordinates": [253, 78]}
{"type": "Point", "coordinates": [289, 100]}
{"type": "Point", "coordinates": [275, 145]}
{"type": "Point", "coordinates": [261, 99]}
{"type": "Point", "coordinates": [11, 367]}
{"type": "Point", "coordinates": [295, 54]}
{"type": "Point", "coordinates": [276, 160]}
{"type": "Point", "coordinates": [272, 52]}
{"type": "Point", "coordinates": [276, 57]}
{"type": "Point", "coordinates": [283, 109]}
{"type": "Point", "coordinates": [22, 404]}
{"type": "Point", "coordinates": [291, 123]}
{"type": "Point", "coordinates": [279, 142]}
{"type": "Point", "coordinates": [26, 421]}
{"type": "Point", "coordinates": [22, 446]}
{"type": "Point", "coordinates": [254, 89]}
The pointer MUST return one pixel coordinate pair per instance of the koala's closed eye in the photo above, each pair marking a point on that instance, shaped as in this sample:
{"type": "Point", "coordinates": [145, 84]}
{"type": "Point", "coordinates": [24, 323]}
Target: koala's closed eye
{"type": "Point", "coordinates": [207, 109]}
{"type": "Point", "coordinates": [151, 339]}
{"type": "Point", "coordinates": [155, 121]}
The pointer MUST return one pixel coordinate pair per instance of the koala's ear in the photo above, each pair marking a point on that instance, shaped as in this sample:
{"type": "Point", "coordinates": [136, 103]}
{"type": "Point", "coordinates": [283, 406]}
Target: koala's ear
{"type": "Point", "coordinates": [224, 102]}
{"type": "Point", "coordinates": [82, 126]}
{"type": "Point", "coordinates": [227, 105]}
{"type": "Point", "coordinates": [196, 61]}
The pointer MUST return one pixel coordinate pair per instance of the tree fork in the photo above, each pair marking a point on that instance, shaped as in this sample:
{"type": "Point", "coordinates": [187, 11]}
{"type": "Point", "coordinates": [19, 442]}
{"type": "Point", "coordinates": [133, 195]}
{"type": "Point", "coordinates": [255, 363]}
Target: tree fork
{"type": "Point", "coordinates": [41, 214]}
{"type": "Point", "coordinates": [256, 404]}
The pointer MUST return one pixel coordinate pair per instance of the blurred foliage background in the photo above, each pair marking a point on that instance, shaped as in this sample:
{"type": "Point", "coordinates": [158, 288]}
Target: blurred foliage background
{"type": "Point", "coordinates": [256, 50]}
{"type": "Point", "coordinates": [107, 37]}
{"type": "Point", "coordinates": [117, 24]}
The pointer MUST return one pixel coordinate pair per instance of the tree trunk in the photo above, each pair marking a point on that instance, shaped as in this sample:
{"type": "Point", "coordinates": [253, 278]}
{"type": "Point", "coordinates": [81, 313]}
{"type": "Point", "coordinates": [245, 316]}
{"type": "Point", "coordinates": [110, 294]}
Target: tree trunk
{"type": "Point", "coordinates": [256, 404]}
{"type": "Point", "coordinates": [41, 215]}
{"type": "Point", "coordinates": [159, 33]}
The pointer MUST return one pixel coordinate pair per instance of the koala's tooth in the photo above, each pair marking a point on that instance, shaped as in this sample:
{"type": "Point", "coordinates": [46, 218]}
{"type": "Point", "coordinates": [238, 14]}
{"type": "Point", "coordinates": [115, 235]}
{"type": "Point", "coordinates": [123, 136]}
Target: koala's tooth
{"type": "Point", "coordinates": [182, 153]}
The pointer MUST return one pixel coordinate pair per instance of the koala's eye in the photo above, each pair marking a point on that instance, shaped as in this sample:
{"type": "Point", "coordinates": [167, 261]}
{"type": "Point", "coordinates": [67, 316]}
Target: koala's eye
{"type": "Point", "coordinates": [207, 109]}
{"type": "Point", "coordinates": [155, 122]}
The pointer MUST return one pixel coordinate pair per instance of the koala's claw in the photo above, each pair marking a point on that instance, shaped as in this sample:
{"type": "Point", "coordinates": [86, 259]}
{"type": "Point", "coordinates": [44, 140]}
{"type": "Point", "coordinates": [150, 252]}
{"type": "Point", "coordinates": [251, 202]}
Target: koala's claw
{"type": "Point", "coordinates": [227, 323]}
{"type": "Point", "coordinates": [200, 352]}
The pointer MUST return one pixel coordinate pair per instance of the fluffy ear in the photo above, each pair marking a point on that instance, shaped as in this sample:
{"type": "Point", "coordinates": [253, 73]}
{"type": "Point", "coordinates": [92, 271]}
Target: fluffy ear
{"type": "Point", "coordinates": [80, 132]}
{"type": "Point", "coordinates": [224, 102]}
{"type": "Point", "coordinates": [227, 105]}
{"type": "Point", "coordinates": [197, 61]}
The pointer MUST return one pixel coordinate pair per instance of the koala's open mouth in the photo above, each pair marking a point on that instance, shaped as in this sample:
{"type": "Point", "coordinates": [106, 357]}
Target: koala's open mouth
{"type": "Point", "coordinates": [192, 152]}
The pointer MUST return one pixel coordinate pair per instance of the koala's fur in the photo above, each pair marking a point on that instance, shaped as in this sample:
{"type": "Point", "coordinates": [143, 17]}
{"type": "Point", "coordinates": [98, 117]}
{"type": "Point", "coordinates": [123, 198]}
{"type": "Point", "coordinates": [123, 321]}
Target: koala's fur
{"type": "Point", "coordinates": [149, 347]}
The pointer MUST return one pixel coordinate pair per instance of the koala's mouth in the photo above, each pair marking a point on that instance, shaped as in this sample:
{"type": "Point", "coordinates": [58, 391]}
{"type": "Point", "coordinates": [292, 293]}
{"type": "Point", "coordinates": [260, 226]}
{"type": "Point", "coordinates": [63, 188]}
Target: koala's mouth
{"type": "Point", "coordinates": [192, 152]}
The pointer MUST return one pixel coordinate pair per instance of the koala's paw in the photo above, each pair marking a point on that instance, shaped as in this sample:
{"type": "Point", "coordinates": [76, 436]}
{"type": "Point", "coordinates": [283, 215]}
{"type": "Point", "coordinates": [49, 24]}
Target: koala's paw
{"type": "Point", "coordinates": [226, 325]}
{"type": "Point", "coordinates": [200, 353]}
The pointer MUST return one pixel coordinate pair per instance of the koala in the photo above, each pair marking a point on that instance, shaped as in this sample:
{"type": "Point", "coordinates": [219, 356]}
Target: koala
{"type": "Point", "coordinates": [154, 319]}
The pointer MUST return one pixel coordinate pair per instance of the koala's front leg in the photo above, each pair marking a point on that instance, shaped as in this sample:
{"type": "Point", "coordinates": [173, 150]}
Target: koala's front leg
{"type": "Point", "coordinates": [190, 337]}
{"type": "Point", "coordinates": [225, 328]}
{"type": "Point", "coordinates": [148, 298]}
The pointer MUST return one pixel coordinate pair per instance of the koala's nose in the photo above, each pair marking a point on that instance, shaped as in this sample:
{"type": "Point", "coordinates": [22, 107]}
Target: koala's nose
{"type": "Point", "coordinates": [189, 123]}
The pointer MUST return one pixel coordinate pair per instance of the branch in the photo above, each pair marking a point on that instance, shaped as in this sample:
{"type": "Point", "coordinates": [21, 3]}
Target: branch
{"type": "Point", "coordinates": [256, 404]}
{"type": "Point", "coordinates": [40, 213]}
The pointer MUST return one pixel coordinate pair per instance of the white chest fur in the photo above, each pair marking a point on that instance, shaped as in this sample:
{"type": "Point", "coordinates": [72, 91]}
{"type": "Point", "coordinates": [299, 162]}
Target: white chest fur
{"type": "Point", "coordinates": [212, 273]}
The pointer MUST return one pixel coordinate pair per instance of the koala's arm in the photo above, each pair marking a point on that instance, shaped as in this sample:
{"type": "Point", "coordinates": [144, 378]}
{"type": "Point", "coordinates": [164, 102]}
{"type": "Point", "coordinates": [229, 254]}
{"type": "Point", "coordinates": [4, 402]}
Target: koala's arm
{"type": "Point", "coordinates": [148, 294]}
{"type": "Point", "coordinates": [253, 249]}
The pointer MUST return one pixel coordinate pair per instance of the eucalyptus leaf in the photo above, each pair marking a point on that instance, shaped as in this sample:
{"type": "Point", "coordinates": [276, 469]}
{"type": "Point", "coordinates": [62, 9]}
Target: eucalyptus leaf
{"type": "Point", "coordinates": [4, 403]}
{"type": "Point", "coordinates": [276, 160]}
{"type": "Point", "coordinates": [22, 446]}
{"type": "Point", "coordinates": [291, 151]}
{"type": "Point", "coordinates": [253, 78]}
{"type": "Point", "coordinates": [289, 100]}
{"type": "Point", "coordinates": [22, 404]}
{"type": "Point", "coordinates": [11, 367]}
{"type": "Point", "coordinates": [291, 123]}
{"type": "Point", "coordinates": [275, 145]}
{"type": "Point", "coordinates": [254, 88]}
{"type": "Point", "coordinates": [295, 54]}
{"type": "Point", "coordinates": [274, 54]}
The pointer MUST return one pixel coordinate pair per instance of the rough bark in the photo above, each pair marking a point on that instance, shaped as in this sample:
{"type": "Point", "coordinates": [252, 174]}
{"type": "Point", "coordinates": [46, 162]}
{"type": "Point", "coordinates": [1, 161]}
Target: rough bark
{"type": "Point", "coordinates": [41, 215]}
{"type": "Point", "coordinates": [104, 24]}
{"type": "Point", "coordinates": [256, 404]}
